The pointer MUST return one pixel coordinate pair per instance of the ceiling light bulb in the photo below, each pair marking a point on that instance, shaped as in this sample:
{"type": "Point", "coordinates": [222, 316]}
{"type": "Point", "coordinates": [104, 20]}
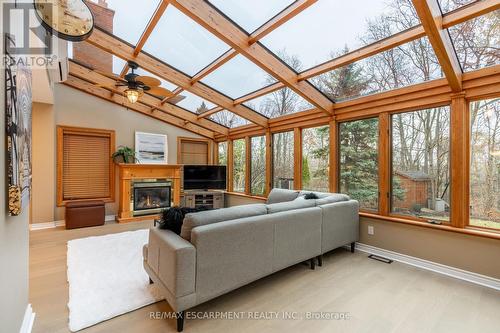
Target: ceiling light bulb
{"type": "Point", "coordinates": [132, 95]}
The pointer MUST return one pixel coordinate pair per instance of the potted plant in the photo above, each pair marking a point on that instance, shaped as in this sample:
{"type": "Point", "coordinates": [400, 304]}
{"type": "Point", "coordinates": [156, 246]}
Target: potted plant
{"type": "Point", "coordinates": [124, 154]}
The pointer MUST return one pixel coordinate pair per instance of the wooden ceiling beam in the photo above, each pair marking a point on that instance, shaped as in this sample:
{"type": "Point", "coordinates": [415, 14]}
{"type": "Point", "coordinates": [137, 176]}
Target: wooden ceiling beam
{"type": "Point", "coordinates": [147, 31]}
{"type": "Point", "coordinates": [210, 112]}
{"type": "Point", "coordinates": [284, 16]}
{"type": "Point", "coordinates": [261, 92]}
{"type": "Point", "coordinates": [431, 18]}
{"type": "Point", "coordinates": [469, 12]}
{"type": "Point", "coordinates": [272, 24]}
{"type": "Point", "coordinates": [450, 19]}
{"type": "Point", "coordinates": [230, 54]}
{"type": "Point", "coordinates": [160, 10]}
{"type": "Point", "coordinates": [103, 93]}
{"type": "Point", "coordinates": [114, 45]}
{"type": "Point", "coordinates": [212, 20]}
{"type": "Point", "coordinates": [93, 77]}
{"type": "Point", "coordinates": [365, 52]}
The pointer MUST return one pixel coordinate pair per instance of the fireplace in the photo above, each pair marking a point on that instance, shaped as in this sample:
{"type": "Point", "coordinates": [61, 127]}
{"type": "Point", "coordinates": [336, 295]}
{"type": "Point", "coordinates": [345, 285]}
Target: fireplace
{"type": "Point", "coordinates": [150, 197]}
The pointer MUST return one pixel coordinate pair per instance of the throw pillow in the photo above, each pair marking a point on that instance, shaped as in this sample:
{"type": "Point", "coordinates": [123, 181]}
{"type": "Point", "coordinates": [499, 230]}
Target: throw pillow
{"type": "Point", "coordinates": [173, 217]}
{"type": "Point", "coordinates": [311, 195]}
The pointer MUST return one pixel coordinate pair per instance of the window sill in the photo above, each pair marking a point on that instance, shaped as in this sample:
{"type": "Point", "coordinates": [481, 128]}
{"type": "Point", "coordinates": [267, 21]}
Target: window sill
{"type": "Point", "coordinates": [468, 230]}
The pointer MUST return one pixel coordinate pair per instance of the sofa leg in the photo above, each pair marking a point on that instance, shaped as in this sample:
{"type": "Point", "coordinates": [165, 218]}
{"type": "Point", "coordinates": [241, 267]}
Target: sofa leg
{"type": "Point", "coordinates": [320, 260]}
{"type": "Point", "coordinates": [352, 247]}
{"type": "Point", "coordinates": [180, 321]}
{"type": "Point", "coordinates": [313, 262]}
{"type": "Point", "coordinates": [150, 281]}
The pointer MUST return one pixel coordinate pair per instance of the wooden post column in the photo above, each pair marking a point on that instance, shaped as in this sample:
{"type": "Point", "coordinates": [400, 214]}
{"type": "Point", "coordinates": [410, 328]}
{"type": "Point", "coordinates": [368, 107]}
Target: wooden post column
{"type": "Point", "coordinates": [333, 172]}
{"type": "Point", "coordinates": [297, 157]}
{"type": "Point", "coordinates": [384, 163]}
{"type": "Point", "coordinates": [459, 152]}
{"type": "Point", "coordinates": [230, 165]}
{"type": "Point", "coordinates": [248, 159]}
{"type": "Point", "coordinates": [269, 162]}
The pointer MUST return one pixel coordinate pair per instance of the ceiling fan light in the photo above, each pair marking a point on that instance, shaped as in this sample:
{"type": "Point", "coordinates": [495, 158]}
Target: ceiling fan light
{"type": "Point", "coordinates": [132, 95]}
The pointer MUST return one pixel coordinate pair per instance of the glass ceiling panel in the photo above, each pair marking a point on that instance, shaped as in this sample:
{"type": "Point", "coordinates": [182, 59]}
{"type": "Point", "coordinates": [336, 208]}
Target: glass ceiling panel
{"type": "Point", "coordinates": [477, 41]}
{"type": "Point", "coordinates": [182, 43]}
{"type": "Point", "coordinates": [405, 65]}
{"type": "Point", "coordinates": [250, 15]}
{"type": "Point", "coordinates": [129, 19]}
{"type": "Point", "coordinates": [195, 103]}
{"type": "Point", "coordinates": [329, 27]}
{"type": "Point", "coordinates": [238, 77]}
{"type": "Point", "coordinates": [228, 119]}
{"type": "Point", "coordinates": [449, 5]}
{"type": "Point", "coordinates": [279, 103]}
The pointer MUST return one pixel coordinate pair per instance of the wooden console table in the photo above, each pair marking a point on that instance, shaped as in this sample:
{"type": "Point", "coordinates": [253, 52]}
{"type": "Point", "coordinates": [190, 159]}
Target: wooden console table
{"type": "Point", "coordinates": [130, 172]}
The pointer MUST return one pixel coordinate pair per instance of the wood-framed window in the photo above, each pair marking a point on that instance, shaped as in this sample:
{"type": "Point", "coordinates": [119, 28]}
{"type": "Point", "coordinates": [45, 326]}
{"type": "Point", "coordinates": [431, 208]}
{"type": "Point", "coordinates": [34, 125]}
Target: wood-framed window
{"type": "Point", "coordinates": [85, 169]}
{"type": "Point", "coordinates": [194, 151]}
{"type": "Point", "coordinates": [420, 171]}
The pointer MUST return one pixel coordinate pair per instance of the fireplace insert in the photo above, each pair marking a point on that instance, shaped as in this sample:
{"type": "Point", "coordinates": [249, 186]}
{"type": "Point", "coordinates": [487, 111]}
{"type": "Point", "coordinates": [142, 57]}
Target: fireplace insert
{"type": "Point", "coordinates": [151, 197]}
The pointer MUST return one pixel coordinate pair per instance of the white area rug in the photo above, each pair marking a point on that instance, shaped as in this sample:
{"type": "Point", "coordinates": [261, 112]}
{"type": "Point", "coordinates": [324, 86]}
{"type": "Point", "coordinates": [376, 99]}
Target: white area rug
{"type": "Point", "coordinates": [106, 278]}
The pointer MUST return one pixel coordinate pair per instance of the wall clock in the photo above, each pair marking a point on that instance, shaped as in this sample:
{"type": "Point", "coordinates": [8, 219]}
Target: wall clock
{"type": "Point", "coordinates": [67, 19]}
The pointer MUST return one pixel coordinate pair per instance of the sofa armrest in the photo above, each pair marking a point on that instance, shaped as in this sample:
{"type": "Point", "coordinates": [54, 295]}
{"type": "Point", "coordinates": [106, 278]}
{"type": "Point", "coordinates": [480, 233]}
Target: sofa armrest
{"type": "Point", "coordinates": [340, 224]}
{"type": "Point", "coordinates": [173, 260]}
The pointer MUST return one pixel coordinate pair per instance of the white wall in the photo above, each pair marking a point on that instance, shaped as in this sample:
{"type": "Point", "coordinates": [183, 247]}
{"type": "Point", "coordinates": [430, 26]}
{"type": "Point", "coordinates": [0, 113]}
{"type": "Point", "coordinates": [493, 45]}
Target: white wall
{"type": "Point", "coordinates": [13, 243]}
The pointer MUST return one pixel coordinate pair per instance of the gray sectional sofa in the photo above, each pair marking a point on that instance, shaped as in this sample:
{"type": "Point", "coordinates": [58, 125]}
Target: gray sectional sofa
{"type": "Point", "coordinates": [221, 250]}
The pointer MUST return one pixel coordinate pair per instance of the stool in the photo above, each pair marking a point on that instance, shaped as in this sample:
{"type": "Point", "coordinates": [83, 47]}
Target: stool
{"type": "Point", "coordinates": [80, 214]}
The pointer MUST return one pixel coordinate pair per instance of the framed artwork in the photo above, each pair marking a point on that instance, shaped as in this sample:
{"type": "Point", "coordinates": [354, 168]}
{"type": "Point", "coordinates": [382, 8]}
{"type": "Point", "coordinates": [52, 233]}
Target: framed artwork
{"type": "Point", "coordinates": [151, 148]}
{"type": "Point", "coordinates": [18, 102]}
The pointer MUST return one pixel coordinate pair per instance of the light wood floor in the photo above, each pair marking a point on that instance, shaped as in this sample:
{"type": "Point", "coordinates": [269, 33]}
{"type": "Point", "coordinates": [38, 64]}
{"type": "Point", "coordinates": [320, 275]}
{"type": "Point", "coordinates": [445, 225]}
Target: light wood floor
{"type": "Point", "coordinates": [378, 297]}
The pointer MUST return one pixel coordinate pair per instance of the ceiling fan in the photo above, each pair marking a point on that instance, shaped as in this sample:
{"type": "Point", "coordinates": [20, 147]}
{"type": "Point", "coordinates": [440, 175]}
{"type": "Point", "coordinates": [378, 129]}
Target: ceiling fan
{"type": "Point", "coordinates": [135, 85]}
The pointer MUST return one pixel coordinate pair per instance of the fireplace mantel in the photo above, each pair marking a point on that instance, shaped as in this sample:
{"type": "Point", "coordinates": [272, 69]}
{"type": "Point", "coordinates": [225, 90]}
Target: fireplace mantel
{"type": "Point", "coordinates": [130, 172]}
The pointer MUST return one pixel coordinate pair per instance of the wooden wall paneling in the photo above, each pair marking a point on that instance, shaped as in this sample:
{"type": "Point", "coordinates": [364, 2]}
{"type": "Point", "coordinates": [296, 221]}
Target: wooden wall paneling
{"type": "Point", "coordinates": [384, 163]}
{"type": "Point", "coordinates": [297, 156]}
{"type": "Point", "coordinates": [459, 169]}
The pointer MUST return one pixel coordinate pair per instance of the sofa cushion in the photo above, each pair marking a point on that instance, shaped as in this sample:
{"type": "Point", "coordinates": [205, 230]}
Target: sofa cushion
{"type": "Point", "coordinates": [194, 220]}
{"type": "Point", "coordinates": [332, 198]}
{"type": "Point", "coordinates": [281, 195]}
{"type": "Point", "coordinates": [298, 203]}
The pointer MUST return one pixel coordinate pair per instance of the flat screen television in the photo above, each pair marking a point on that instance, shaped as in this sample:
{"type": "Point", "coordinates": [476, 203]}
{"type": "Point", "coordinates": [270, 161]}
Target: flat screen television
{"type": "Point", "coordinates": [204, 177]}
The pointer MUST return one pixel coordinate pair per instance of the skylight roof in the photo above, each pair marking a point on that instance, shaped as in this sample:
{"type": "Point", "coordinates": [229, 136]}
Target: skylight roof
{"type": "Point", "coordinates": [328, 27]}
{"type": "Point", "coordinates": [130, 20]}
{"type": "Point", "coordinates": [391, 69]}
{"type": "Point", "coordinates": [476, 41]}
{"type": "Point", "coordinates": [195, 103]}
{"type": "Point", "coordinates": [279, 103]}
{"type": "Point", "coordinates": [238, 77]}
{"type": "Point", "coordinates": [250, 15]}
{"type": "Point", "coordinates": [310, 34]}
{"type": "Point", "coordinates": [449, 5]}
{"type": "Point", "coordinates": [183, 44]}
{"type": "Point", "coordinates": [228, 119]}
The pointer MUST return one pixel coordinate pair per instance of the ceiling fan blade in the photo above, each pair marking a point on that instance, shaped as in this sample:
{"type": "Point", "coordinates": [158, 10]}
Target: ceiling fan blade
{"type": "Point", "coordinates": [111, 76]}
{"type": "Point", "coordinates": [176, 99]}
{"type": "Point", "coordinates": [148, 80]}
{"type": "Point", "coordinates": [159, 91]}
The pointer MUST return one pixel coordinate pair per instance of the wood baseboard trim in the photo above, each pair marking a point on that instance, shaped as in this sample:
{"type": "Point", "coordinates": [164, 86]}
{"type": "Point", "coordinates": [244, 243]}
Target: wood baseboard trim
{"type": "Point", "coordinates": [28, 320]}
{"type": "Point", "coordinates": [61, 223]}
{"type": "Point", "coordinates": [454, 272]}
